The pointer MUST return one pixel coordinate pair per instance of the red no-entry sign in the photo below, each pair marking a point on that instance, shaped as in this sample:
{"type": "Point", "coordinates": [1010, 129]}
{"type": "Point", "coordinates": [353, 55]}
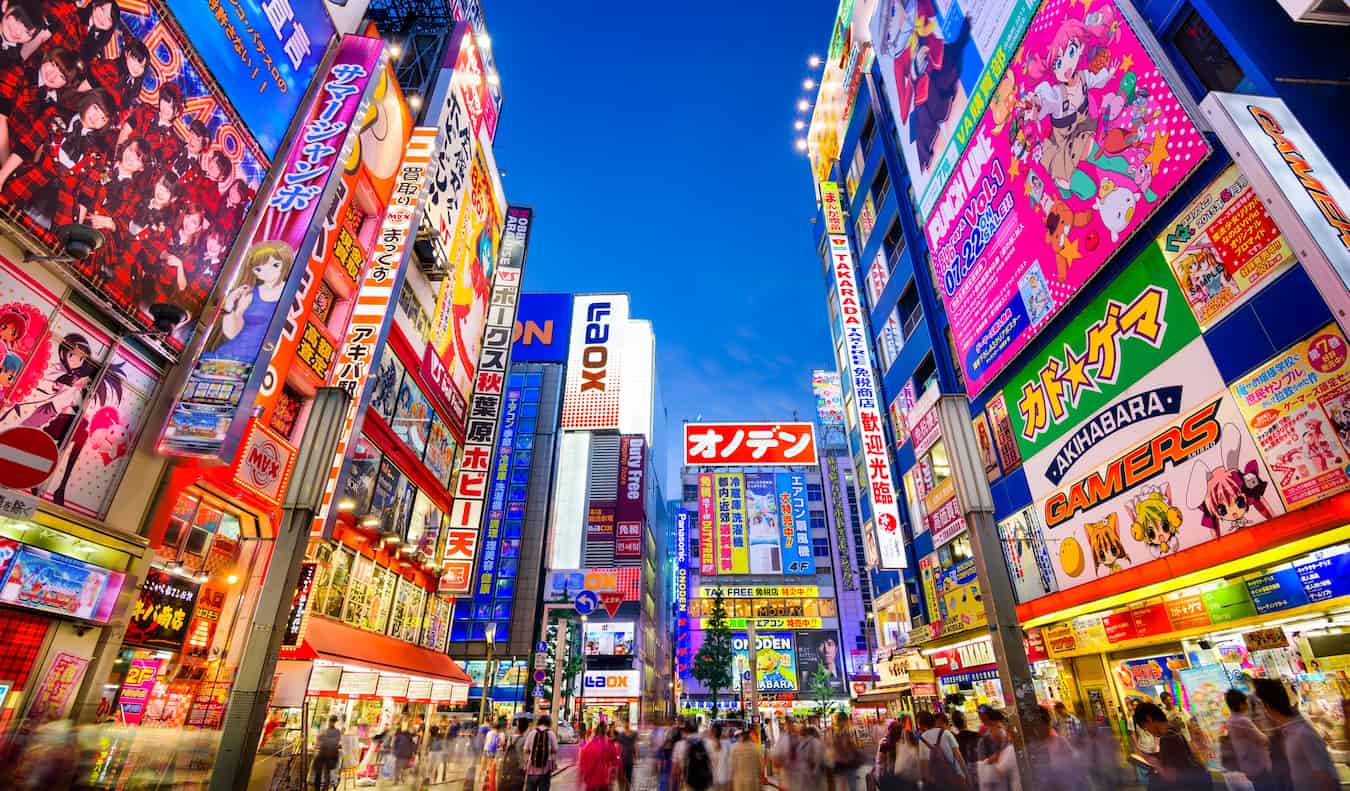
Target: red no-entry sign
{"type": "Point", "coordinates": [27, 457]}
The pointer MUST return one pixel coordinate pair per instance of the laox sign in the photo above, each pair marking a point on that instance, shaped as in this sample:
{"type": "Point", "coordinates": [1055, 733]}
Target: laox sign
{"type": "Point", "coordinates": [595, 357]}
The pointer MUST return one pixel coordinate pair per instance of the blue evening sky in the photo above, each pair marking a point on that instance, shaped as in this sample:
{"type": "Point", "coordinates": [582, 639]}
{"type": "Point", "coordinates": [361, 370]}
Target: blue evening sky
{"type": "Point", "coordinates": [655, 143]}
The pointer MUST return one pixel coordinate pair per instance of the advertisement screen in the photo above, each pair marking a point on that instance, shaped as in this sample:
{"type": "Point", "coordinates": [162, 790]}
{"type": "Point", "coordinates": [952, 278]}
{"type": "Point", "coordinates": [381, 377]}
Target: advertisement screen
{"type": "Point", "coordinates": [1224, 247]}
{"type": "Point", "coordinates": [208, 416]}
{"type": "Point", "coordinates": [829, 397]}
{"type": "Point", "coordinates": [940, 61]}
{"type": "Point", "coordinates": [543, 326]}
{"type": "Point", "coordinates": [167, 187]}
{"type": "Point", "coordinates": [609, 639]}
{"type": "Point", "coordinates": [1027, 556]}
{"type": "Point", "coordinates": [816, 652]}
{"type": "Point", "coordinates": [283, 40]}
{"type": "Point", "coordinates": [1298, 408]}
{"type": "Point", "coordinates": [41, 580]}
{"type": "Point", "coordinates": [774, 657]}
{"type": "Point", "coordinates": [1082, 141]}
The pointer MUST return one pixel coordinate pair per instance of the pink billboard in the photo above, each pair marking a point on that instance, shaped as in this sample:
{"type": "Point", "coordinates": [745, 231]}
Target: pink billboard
{"type": "Point", "coordinates": [1082, 141]}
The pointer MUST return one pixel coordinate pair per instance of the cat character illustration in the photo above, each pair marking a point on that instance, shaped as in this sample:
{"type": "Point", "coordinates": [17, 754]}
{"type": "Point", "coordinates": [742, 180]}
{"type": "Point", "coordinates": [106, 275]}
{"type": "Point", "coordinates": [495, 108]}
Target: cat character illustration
{"type": "Point", "coordinates": [1228, 493]}
{"type": "Point", "coordinates": [1156, 522]}
{"type": "Point", "coordinates": [1108, 551]}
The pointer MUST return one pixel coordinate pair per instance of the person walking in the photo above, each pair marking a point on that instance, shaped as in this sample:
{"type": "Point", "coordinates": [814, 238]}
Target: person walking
{"type": "Point", "coordinates": [716, 754]}
{"type": "Point", "coordinates": [511, 761]}
{"type": "Point", "coordinates": [540, 750]}
{"type": "Point", "coordinates": [783, 756]}
{"type": "Point", "coordinates": [405, 747]}
{"type": "Point", "coordinates": [1300, 748]}
{"type": "Point", "coordinates": [327, 754]}
{"type": "Point", "coordinates": [807, 772]}
{"type": "Point", "coordinates": [1244, 747]}
{"type": "Point", "coordinates": [691, 763]}
{"type": "Point", "coordinates": [1068, 724]}
{"type": "Point", "coordinates": [996, 767]}
{"type": "Point", "coordinates": [843, 754]}
{"type": "Point", "coordinates": [746, 764]}
{"type": "Point", "coordinates": [940, 762]}
{"type": "Point", "coordinates": [897, 762]}
{"type": "Point", "coordinates": [627, 740]}
{"type": "Point", "coordinates": [597, 762]}
{"type": "Point", "coordinates": [1175, 767]}
{"type": "Point", "coordinates": [966, 739]}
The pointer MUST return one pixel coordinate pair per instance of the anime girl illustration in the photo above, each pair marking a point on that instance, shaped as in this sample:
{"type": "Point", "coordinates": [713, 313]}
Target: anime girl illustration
{"type": "Point", "coordinates": [468, 316]}
{"type": "Point", "coordinates": [56, 401]}
{"type": "Point", "coordinates": [103, 434]}
{"type": "Point", "coordinates": [11, 365]}
{"type": "Point", "coordinates": [1230, 491]}
{"type": "Point", "coordinates": [1077, 62]}
{"type": "Point", "coordinates": [1155, 521]}
{"type": "Point", "coordinates": [1108, 551]}
{"type": "Point", "coordinates": [926, 69]}
{"type": "Point", "coordinates": [249, 307]}
{"type": "Point", "coordinates": [1036, 296]}
{"type": "Point", "coordinates": [13, 325]}
{"type": "Point", "coordinates": [1205, 276]}
{"type": "Point", "coordinates": [1320, 449]}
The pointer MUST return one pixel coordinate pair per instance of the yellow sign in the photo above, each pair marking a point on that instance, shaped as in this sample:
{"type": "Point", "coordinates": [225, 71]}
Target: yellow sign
{"type": "Point", "coordinates": [759, 591]}
{"type": "Point", "coordinates": [832, 208]}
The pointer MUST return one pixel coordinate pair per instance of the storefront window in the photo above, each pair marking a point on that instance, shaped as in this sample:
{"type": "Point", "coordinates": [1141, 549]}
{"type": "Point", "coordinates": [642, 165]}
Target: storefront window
{"type": "Point", "coordinates": [358, 591]}
{"type": "Point", "coordinates": [380, 597]}
{"type": "Point", "coordinates": [412, 417]}
{"type": "Point", "coordinates": [387, 381]}
{"type": "Point", "coordinates": [338, 581]}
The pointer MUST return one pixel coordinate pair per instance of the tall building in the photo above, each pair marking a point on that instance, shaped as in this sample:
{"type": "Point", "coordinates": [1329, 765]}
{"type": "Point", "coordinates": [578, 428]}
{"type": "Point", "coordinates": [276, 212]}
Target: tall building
{"type": "Point", "coordinates": [765, 510]}
{"type": "Point", "coordinates": [1164, 515]}
{"type": "Point", "coordinates": [606, 612]}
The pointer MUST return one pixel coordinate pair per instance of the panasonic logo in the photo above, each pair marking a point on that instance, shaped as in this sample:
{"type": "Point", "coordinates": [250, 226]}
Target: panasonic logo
{"type": "Point", "coordinates": [595, 354]}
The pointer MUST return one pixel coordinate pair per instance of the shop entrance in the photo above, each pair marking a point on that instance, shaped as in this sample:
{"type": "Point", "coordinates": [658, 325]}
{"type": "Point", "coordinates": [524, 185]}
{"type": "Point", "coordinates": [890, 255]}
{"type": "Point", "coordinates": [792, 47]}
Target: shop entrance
{"type": "Point", "coordinates": [615, 710]}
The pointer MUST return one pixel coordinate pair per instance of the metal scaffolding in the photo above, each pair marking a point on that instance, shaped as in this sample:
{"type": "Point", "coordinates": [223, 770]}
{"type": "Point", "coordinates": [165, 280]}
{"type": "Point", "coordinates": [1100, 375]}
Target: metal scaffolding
{"type": "Point", "coordinates": [421, 28]}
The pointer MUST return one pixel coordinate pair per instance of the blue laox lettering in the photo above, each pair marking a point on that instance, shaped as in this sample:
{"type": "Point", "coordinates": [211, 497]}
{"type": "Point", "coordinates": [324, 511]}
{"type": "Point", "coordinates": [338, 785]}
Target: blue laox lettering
{"type": "Point", "coordinates": [983, 216]}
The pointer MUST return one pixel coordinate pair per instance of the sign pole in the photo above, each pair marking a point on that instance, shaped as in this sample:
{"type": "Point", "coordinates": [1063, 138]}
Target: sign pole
{"type": "Point", "coordinates": [753, 654]}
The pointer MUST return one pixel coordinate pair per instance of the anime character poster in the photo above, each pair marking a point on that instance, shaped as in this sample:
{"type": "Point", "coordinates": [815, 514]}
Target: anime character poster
{"type": "Point", "coordinates": [1224, 247]}
{"type": "Point", "coordinates": [939, 61]}
{"type": "Point", "coordinates": [761, 516]}
{"type": "Point", "coordinates": [1197, 477]}
{"type": "Point", "coordinates": [50, 358]}
{"type": "Point", "coordinates": [1298, 407]}
{"type": "Point", "coordinates": [1082, 141]}
{"type": "Point", "coordinates": [774, 657]}
{"type": "Point", "coordinates": [106, 120]}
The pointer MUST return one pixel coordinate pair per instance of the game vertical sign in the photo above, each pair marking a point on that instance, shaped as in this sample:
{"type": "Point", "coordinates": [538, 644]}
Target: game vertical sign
{"type": "Point", "coordinates": [682, 592]}
{"type": "Point", "coordinates": [480, 432]}
{"type": "Point", "coordinates": [378, 289]}
{"type": "Point", "coordinates": [876, 481]}
{"type": "Point", "coordinates": [210, 414]}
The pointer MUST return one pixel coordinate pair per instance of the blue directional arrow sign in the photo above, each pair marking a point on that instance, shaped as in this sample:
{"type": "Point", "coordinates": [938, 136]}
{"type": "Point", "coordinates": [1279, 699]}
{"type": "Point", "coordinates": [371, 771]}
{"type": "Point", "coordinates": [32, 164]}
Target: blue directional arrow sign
{"type": "Point", "coordinates": [586, 602]}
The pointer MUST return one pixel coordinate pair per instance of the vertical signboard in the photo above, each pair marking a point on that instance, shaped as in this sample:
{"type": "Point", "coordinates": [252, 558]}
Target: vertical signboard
{"type": "Point", "coordinates": [209, 416]}
{"type": "Point", "coordinates": [1082, 141]}
{"type": "Point", "coordinates": [707, 534]}
{"type": "Point", "coordinates": [591, 393]}
{"type": "Point", "coordinates": [829, 397]}
{"type": "Point", "coordinates": [630, 512]}
{"type": "Point", "coordinates": [733, 556]}
{"type": "Point", "coordinates": [543, 328]}
{"type": "Point", "coordinates": [876, 483]}
{"type": "Point", "coordinates": [1309, 199]}
{"type": "Point", "coordinates": [682, 527]}
{"type": "Point", "coordinates": [371, 316]}
{"type": "Point", "coordinates": [762, 520]}
{"type": "Point", "coordinates": [480, 432]}
{"type": "Point", "coordinates": [794, 523]}
{"type": "Point", "coordinates": [262, 52]}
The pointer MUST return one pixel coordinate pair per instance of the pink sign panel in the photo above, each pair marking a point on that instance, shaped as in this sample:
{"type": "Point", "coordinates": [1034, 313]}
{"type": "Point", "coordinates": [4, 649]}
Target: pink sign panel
{"type": "Point", "coordinates": [1082, 141]}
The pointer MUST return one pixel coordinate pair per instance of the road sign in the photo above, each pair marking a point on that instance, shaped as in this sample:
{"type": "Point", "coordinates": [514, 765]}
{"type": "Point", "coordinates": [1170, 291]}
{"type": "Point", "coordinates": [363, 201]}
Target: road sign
{"type": "Point", "coordinates": [27, 457]}
{"type": "Point", "coordinates": [540, 676]}
{"type": "Point", "coordinates": [611, 600]}
{"type": "Point", "coordinates": [541, 647]}
{"type": "Point", "coordinates": [585, 602]}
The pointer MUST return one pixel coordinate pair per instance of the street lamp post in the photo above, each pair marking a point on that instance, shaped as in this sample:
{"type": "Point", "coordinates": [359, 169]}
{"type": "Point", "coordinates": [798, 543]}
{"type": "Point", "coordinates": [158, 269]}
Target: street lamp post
{"type": "Point", "coordinates": [488, 675]}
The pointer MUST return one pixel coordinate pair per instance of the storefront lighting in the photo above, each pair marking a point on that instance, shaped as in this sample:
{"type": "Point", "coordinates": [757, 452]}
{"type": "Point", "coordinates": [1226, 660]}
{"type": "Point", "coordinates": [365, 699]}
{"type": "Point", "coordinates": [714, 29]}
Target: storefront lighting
{"type": "Point", "coordinates": [347, 504]}
{"type": "Point", "coordinates": [813, 61]}
{"type": "Point", "coordinates": [371, 521]}
{"type": "Point", "coordinates": [232, 579]}
{"type": "Point", "coordinates": [955, 646]}
{"type": "Point", "coordinates": [799, 125]}
{"type": "Point", "coordinates": [803, 105]}
{"type": "Point", "coordinates": [808, 84]}
{"type": "Point", "coordinates": [801, 144]}
{"type": "Point", "coordinates": [395, 51]}
{"type": "Point", "coordinates": [415, 102]}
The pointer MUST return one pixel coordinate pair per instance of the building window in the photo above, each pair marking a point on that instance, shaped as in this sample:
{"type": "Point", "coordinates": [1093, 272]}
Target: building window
{"type": "Point", "coordinates": [894, 243]}
{"type": "Point", "coordinates": [911, 312]}
{"type": "Point", "coordinates": [925, 375]}
{"type": "Point", "coordinates": [881, 184]}
{"type": "Point", "coordinates": [868, 134]}
{"type": "Point", "coordinates": [813, 492]}
{"type": "Point", "coordinates": [820, 547]}
{"type": "Point", "coordinates": [818, 522]}
{"type": "Point", "coordinates": [690, 493]}
{"type": "Point", "coordinates": [1211, 62]}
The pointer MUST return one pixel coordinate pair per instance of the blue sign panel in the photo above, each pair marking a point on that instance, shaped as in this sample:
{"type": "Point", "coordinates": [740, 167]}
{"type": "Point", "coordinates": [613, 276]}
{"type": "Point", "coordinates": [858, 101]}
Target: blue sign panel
{"type": "Point", "coordinates": [543, 328]}
{"type": "Point", "coordinates": [794, 524]}
{"type": "Point", "coordinates": [1275, 590]}
{"type": "Point", "coordinates": [585, 602]}
{"type": "Point", "coordinates": [1325, 574]}
{"type": "Point", "coordinates": [263, 53]}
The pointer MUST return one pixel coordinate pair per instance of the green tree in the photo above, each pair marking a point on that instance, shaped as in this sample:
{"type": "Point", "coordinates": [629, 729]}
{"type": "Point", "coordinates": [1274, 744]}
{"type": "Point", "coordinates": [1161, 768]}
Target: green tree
{"type": "Point", "coordinates": [570, 669]}
{"type": "Point", "coordinates": [713, 662]}
{"type": "Point", "coordinates": [822, 691]}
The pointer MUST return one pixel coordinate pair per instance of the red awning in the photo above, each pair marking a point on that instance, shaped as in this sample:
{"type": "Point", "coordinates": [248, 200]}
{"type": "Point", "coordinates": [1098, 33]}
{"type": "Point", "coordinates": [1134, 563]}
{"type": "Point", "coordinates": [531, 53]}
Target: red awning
{"type": "Point", "coordinates": [338, 642]}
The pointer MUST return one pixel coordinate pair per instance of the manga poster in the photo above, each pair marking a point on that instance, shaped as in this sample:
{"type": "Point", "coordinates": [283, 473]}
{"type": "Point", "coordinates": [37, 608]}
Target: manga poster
{"type": "Point", "coordinates": [51, 355]}
{"type": "Point", "coordinates": [1298, 408]}
{"type": "Point", "coordinates": [940, 60]}
{"type": "Point", "coordinates": [106, 119]}
{"type": "Point", "coordinates": [1224, 247]}
{"type": "Point", "coordinates": [1083, 139]}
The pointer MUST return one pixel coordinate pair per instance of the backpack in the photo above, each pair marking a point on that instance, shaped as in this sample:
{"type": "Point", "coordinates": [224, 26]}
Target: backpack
{"type": "Point", "coordinates": [698, 773]}
{"type": "Point", "coordinates": [330, 744]}
{"type": "Point", "coordinates": [512, 772]}
{"type": "Point", "coordinates": [941, 772]}
{"type": "Point", "coordinates": [539, 750]}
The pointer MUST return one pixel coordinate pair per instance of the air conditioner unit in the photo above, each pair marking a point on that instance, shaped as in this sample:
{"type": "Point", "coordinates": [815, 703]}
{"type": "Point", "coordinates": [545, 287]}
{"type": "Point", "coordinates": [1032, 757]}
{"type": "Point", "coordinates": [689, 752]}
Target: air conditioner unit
{"type": "Point", "coordinates": [1324, 12]}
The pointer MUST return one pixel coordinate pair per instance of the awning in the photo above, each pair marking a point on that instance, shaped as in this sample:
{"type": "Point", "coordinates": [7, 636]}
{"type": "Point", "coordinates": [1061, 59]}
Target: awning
{"type": "Point", "coordinates": [877, 697]}
{"type": "Point", "coordinates": [338, 642]}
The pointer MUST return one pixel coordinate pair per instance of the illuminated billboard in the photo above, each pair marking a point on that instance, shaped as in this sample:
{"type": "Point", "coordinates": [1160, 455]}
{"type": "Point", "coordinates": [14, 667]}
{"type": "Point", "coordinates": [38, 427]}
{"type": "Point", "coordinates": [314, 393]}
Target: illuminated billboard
{"type": "Point", "coordinates": [591, 394]}
{"type": "Point", "coordinates": [208, 417]}
{"type": "Point", "coordinates": [729, 444]}
{"type": "Point", "coordinates": [168, 187]}
{"type": "Point", "coordinates": [543, 326]}
{"type": "Point", "coordinates": [829, 393]}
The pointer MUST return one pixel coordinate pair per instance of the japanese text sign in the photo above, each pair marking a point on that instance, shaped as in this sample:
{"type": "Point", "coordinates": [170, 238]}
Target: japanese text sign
{"type": "Point", "coordinates": [377, 289]}
{"type": "Point", "coordinates": [707, 548]}
{"type": "Point", "coordinates": [51, 699]}
{"type": "Point", "coordinates": [480, 432]}
{"type": "Point", "coordinates": [794, 523]}
{"type": "Point", "coordinates": [726, 444]}
{"type": "Point", "coordinates": [1067, 163]}
{"type": "Point", "coordinates": [160, 616]}
{"type": "Point", "coordinates": [211, 411]}
{"type": "Point", "coordinates": [1298, 408]}
{"type": "Point", "coordinates": [262, 52]}
{"type": "Point", "coordinates": [733, 555]}
{"type": "Point", "coordinates": [632, 479]}
{"type": "Point", "coordinates": [877, 481]}
{"type": "Point", "coordinates": [593, 389]}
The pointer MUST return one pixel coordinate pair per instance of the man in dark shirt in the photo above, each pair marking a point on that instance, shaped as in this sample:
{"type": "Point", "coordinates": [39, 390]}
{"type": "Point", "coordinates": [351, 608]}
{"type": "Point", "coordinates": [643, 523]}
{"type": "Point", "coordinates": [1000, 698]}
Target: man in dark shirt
{"type": "Point", "coordinates": [1176, 768]}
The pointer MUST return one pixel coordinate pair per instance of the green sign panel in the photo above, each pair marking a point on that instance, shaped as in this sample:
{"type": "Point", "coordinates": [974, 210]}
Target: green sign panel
{"type": "Point", "coordinates": [1138, 322]}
